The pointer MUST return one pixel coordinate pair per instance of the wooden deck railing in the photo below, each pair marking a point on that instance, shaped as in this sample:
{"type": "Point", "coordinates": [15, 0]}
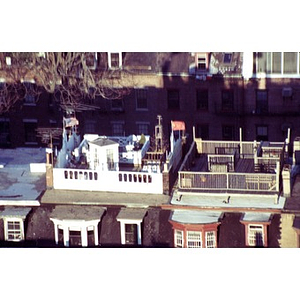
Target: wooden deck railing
{"type": "Point", "coordinates": [259, 182]}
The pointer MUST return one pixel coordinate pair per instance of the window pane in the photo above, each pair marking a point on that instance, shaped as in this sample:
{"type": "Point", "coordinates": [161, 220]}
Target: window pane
{"type": "Point", "coordinates": [202, 99]}
{"type": "Point", "coordinates": [173, 99]}
{"type": "Point", "coordinates": [290, 62]}
{"type": "Point", "coordinates": [30, 131]}
{"type": "Point", "coordinates": [194, 239]}
{"type": "Point", "coordinates": [210, 239]}
{"type": "Point", "coordinates": [178, 238]}
{"type": "Point", "coordinates": [202, 131]}
{"type": "Point", "coordinates": [227, 100]}
{"type": "Point", "coordinates": [276, 62]}
{"type": "Point", "coordinates": [141, 99]}
{"type": "Point", "coordinates": [255, 235]}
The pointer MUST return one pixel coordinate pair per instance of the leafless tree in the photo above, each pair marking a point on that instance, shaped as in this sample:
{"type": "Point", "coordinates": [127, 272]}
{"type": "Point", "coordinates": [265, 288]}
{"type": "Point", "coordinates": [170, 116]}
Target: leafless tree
{"type": "Point", "coordinates": [70, 76]}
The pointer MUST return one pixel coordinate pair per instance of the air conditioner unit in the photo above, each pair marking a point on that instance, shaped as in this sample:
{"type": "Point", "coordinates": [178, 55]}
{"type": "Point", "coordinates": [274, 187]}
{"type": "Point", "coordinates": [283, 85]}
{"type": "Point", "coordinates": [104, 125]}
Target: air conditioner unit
{"type": "Point", "coordinates": [287, 92]}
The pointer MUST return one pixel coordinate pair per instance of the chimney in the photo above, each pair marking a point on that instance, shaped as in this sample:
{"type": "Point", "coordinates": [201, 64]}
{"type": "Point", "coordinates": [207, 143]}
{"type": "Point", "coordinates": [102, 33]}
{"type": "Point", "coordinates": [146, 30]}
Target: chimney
{"type": "Point", "coordinates": [286, 180]}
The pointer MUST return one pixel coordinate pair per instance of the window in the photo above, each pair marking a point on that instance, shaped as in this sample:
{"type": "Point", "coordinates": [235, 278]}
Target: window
{"type": "Point", "coordinates": [14, 230]}
{"type": "Point", "coordinates": [194, 239]}
{"type": "Point", "coordinates": [118, 128]}
{"type": "Point", "coordinates": [4, 131]}
{"type": "Point", "coordinates": [262, 101]}
{"type": "Point", "coordinates": [202, 99]}
{"type": "Point", "coordinates": [228, 132]}
{"type": "Point", "coordinates": [117, 104]}
{"type": "Point", "coordinates": [173, 99]}
{"type": "Point", "coordinates": [210, 238]}
{"type": "Point", "coordinates": [227, 100]}
{"type": "Point", "coordinates": [29, 98]}
{"type": "Point", "coordinates": [30, 127]}
{"type": "Point", "coordinates": [255, 235]}
{"type": "Point", "coordinates": [90, 126]}
{"type": "Point", "coordinates": [91, 60]}
{"type": "Point", "coordinates": [141, 99]}
{"type": "Point", "coordinates": [282, 63]}
{"type": "Point", "coordinates": [114, 60]}
{"type": "Point", "coordinates": [131, 234]}
{"type": "Point", "coordinates": [262, 133]}
{"type": "Point", "coordinates": [143, 127]}
{"type": "Point", "coordinates": [227, 58]}
{"type": "Point", "coordinates": [110, 159]}
{"type": "Point", "coordinates": [201, 61]}
{"type": "Point", "coordinates": [178, 238]}
{"type": "Point", "coordinates": [202, 131]}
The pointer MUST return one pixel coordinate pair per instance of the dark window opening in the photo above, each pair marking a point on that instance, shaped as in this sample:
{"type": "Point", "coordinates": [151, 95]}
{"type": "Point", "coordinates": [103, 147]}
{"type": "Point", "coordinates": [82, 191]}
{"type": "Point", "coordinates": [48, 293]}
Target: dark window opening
{"type": "Point", "coordinates": [173, 99]}
{"type": "Point", "coordinates": [227, 100]}
{"type": "Point", "coordinates": [202, 99]}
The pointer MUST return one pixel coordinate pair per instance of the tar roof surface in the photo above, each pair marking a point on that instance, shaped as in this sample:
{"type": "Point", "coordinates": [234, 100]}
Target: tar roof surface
{"type": "Point", "coordinates": [103, 198]}
{"type": "Point", "coordinates": [17, 182]}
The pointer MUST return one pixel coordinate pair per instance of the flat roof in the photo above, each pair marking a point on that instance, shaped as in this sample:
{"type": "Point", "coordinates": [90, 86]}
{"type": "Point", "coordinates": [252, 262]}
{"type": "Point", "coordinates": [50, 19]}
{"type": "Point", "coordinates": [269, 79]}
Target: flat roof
{"type": "Point", "coordinates": [18, 185]}
{"type": "Point", "coordinates": [256, 217]}
{"type": "Point", "coordinates": [195, 217]}
{"type": "Point", "coordinates": [131, 214]}
{"type": "Point", "coordinates": [209, 200]}
{"type": "Point", "coordinates": [12, 212]}
{"type": "Point", "coordinates": [71, 212]}
{"type": "Point", "coordinates": [103, 198]}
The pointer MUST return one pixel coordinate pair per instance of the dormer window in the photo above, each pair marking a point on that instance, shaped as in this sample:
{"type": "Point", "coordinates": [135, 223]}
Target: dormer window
{"type": "Point", "coordinates": [227, 58]}
{"type": "Point", "coordinates": [201, 61]}
{"type": "Point", "coordinates": [91, 60]}
{"type": "Point", "coordinates": [114, 60]}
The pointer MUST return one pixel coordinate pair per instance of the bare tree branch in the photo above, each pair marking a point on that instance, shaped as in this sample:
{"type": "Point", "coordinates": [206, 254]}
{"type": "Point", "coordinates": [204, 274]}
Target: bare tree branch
{"type": "Point", "coordinates": [66, 74]}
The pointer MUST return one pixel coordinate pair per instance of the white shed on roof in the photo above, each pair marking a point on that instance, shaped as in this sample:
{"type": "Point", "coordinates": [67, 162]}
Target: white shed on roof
{"type": "Point", "coordinates": [104, 154]}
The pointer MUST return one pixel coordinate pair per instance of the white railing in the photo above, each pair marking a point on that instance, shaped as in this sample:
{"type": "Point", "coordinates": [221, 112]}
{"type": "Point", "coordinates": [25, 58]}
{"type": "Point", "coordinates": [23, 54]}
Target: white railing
{"type": "Point", "coordinates": [174, 157]}
{"type": "Point", "coordinates": [246, 149]}
{"type": "Point", "coordinates": [109, 181]}
{"type": "Point", "coordinates": [229, 181]}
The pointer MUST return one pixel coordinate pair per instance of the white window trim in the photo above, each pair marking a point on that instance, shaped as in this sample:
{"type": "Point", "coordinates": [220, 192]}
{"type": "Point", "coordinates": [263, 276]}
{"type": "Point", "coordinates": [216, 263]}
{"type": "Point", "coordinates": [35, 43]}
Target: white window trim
{"type": "Point", "coordinates": [250, 239]}
{"type": "Point", "coordinates": [194, 240]}
{"type": "Point", "coordinates": [6, 230]}
{"type": "Point", "coordinates": [213, 240]}
{"type": "Point", "coordinates": [138, 222]}
{"type": "Point", "coordinates": [281, 74]}
{"type": "Point", "coordinates": [76, 225]}
{"type": "Point", "coordinates": [178, 234]}
{"type": "Point", "coordinates": [109, 59]}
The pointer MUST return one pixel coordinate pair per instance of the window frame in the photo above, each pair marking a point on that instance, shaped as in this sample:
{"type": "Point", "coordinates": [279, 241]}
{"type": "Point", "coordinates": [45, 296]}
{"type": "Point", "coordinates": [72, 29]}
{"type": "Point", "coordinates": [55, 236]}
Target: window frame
{"type": "Point", "coordinates": [178, 237]}
{"type": "Point", "coordinates": [207, 240]}
{"type": "Point", "coordinates": [20, 230]}
{"type": "Point", "coordinates": [139, 97]}
{"type": "Point", "coordinates": [262, 104]}
{"type": "Point", "coordinates": [173, 101]}
{"type": "Point", "coordinates": [251, 235]}
{"type": "Point", "coordinates": [113, 128]}
{"type": "Point", "coordinates": [145, 125]}
{"type": "Point", "coordinates": [194, 240]}
{"type": "Point", "coordinates": [30, 97]}
{"type": "Point", "coordinates": [27, 136]}
{"type": "Point", "coordinates": [111, 60]}
{"type": "Point", "coordinates": [228, 100]}
{"type": "Point", "coordinates": [202, 99]}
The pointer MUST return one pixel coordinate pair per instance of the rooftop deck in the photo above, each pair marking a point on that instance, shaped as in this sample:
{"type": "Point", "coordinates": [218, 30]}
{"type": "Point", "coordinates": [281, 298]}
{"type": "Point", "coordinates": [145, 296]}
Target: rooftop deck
{"type": "Point", "coordinates": [235, 166]}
